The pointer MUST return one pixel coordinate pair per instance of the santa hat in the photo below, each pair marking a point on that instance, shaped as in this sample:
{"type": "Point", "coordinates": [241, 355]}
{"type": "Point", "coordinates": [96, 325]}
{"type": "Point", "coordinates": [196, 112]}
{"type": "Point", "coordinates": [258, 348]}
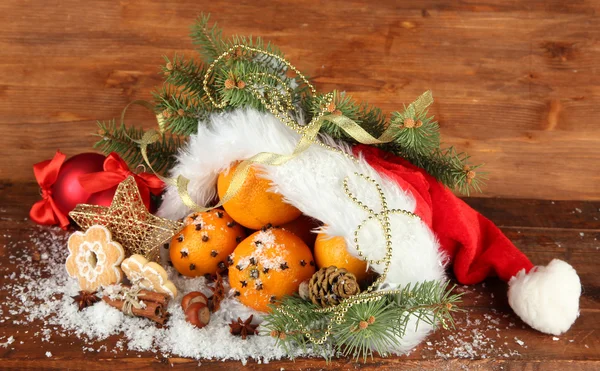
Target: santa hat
{"type": "Point", "coordinates": [447, 230]}
{"type": "Point", "coordinates": [544, 297]}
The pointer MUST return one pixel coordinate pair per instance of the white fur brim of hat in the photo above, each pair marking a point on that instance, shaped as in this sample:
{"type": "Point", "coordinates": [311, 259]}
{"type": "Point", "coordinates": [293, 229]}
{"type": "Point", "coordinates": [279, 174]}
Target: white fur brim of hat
{"type": "Point", "coordinates": [546, 298]}
{"type": "Point", "coordinates": [312, 182]}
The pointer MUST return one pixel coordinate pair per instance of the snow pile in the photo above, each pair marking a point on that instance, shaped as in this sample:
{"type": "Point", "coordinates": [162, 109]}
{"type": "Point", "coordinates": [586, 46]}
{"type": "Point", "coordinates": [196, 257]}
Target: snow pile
{"type": "Point", "coordinates": [42, 291]}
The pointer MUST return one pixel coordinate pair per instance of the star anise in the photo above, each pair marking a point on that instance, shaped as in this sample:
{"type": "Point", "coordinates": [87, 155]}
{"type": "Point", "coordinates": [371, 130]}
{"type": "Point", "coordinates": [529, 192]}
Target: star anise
{"type": "Point", "coordinates": [243, 328]}
{"type": "Point", "coordinates": [85, 299]}
{"type": "Point", "coordinates": [218, 293]}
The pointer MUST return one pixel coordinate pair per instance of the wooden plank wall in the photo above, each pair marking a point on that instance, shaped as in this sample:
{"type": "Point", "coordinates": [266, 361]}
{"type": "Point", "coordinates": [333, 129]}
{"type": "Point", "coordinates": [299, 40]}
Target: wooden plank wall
{"type": "Point", "coordinates": [516, 82]}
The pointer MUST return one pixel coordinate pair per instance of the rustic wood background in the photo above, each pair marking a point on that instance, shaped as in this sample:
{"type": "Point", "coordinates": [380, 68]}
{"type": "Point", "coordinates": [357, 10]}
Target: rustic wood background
{"type": "Point", "coordinates": [516, 83]}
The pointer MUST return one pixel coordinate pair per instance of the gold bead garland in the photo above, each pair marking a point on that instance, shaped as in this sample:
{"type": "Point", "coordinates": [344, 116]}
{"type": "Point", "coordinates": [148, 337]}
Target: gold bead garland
{"type": "Point", "coordinates": [368, 295]}
{"type": "Point", "coordinates": [281, 105]}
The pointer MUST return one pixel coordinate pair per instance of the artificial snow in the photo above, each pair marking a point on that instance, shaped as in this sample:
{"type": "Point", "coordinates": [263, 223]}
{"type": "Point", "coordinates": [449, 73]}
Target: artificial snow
{"type": "Point", "coordinates": [43, 291]}
{"type": "Point", "coordinates": [8, 341]}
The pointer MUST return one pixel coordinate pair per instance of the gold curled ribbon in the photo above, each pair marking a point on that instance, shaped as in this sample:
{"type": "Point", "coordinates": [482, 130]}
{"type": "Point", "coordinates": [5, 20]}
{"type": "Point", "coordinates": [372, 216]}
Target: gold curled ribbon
{"type": "Point", "coordinates": [280, 109]}
{"type": "Point", "coordinates": [308, 133]}
{"type": "Point", "coordinates": [382, 217]}
{"type": "Point", "coordinates": [308, 137]}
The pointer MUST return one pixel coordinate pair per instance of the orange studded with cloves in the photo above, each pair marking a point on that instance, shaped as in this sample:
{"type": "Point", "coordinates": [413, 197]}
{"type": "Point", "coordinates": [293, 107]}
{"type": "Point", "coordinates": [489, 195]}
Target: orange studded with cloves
{"type": "Point", "coordinates": [269, 265]}
{"type": "Point", "coordinates": [204, 244]}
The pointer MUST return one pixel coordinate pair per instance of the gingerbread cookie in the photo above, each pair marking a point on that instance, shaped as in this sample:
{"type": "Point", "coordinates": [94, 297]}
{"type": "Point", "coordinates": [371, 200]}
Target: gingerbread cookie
{"type": "Point", "coordinates": [148, 275]}
{"type": "Point", "coordinates": [94, 258]}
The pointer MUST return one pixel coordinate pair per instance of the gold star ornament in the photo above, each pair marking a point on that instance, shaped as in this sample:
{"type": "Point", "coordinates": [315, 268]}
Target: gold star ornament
{"type": "Point", "coordinates": [129, 221]}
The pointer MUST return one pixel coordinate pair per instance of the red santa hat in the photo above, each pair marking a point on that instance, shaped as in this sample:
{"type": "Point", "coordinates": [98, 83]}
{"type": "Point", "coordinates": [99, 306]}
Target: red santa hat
{"type": "Point", "coordinates": [544, 297]}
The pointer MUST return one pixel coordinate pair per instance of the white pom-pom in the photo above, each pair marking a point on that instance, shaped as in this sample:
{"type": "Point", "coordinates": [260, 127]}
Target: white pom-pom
{"type": "Point", "coordinates": [546, 298]}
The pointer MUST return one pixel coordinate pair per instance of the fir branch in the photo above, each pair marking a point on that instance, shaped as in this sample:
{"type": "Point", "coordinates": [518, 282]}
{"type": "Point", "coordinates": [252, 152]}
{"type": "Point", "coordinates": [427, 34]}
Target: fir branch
{"type": "Point", "coordinates": [180, 110]}
{"type": "Point", "coordinates": [208, 39]}
{"type": "Point", "coordinates": [187, 75]}
{"type": "Point", "coordinates": [368, 117]}
{"type": "Point", "coordinates": [417, 134]}
{"type": "Point", "coordinates": [446, 165]}
{"type": "Point", "coordinates": [368, 328]}
{"type": "Point", "coordinates": [268, 59]}
{"type": "Point", "coordinates": [119, 139]}
{"type": "Point", "coordinates": [247, 78]}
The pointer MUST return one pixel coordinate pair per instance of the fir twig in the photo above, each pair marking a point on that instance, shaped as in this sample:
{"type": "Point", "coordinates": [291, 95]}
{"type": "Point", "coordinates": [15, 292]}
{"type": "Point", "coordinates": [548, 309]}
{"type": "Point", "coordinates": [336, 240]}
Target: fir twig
{"type": "Point", "coordinates": [258, 77]}
{"type": "Point", "coordinates": [187, 75]}
{"type": "Point", "coordinates": [208, 39]}
{"type": "Point", "coordinates": [119, 139]}
{"type": "Point", "coordinates": [180, 110]}
{"type": "Point", "coordinates": [368, 117]}
{"type": "Point", "coordinates": [368, 328]}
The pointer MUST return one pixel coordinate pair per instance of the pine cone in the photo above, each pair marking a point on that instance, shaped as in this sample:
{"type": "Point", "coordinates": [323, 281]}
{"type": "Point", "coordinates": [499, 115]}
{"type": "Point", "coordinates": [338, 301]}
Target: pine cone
{"type": "Point", "coordinates": [331, 285]}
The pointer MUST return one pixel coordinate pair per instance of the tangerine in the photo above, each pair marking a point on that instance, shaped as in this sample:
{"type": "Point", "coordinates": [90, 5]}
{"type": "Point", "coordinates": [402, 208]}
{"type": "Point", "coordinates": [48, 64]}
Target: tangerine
{"type": "Point", "coordinates": [268, 265]}
{"type": "Point", "coordinates": [254, 206]}
{"type": "Point", "coordinates": [203, 245]}
{"type": "Point", "coordinates": [334, 251]}
{"type": "Point", "coordinates": [303, 227]}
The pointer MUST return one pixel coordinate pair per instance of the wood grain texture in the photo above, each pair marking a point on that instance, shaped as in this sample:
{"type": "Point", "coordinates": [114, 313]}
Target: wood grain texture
{"type": "Point", "coordinates": [542, 229]}
{"type": "Point", "coordinates": [516, 83]}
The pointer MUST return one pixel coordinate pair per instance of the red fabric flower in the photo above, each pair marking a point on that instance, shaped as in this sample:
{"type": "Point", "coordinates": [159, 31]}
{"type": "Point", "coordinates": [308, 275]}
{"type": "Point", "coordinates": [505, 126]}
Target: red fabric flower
{"type": "Point", "coordinates": [116, 171]}
{"type": "Point", "coordinates": [45, 211]}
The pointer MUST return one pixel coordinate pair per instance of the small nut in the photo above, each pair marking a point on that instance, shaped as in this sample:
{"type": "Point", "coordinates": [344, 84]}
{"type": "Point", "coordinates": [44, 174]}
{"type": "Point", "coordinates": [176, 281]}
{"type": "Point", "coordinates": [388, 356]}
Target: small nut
{"type": "Point", "coordinates": [197, 314]}
{"type": "Point", "coordinates": [193, 297]}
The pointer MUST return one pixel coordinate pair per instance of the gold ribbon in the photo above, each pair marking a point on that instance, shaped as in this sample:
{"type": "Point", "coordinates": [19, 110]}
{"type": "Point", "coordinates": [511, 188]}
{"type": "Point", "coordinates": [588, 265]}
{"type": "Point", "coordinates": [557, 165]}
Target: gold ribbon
{"type": "Point", "coordinates": [308, 133]}
{"type": "Point", "coordinates": [309, 137]}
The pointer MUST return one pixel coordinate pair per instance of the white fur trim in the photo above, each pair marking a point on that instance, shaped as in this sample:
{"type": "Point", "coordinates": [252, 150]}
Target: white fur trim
{"type": "Point", "coordinates": [312, 182]}
{"type": "Point", "coordinates": [546, 298]}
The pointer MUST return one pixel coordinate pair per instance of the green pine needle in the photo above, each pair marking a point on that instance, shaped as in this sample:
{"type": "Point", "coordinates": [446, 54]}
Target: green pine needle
{"type": "Point", "coordinates": [119, 139]}
{"type": "Point", "coordinates": [368, 328]}
{"type": "Point", "coordinates": [181, 111]}
{"type": "Point", "coordinates": [208, 39]}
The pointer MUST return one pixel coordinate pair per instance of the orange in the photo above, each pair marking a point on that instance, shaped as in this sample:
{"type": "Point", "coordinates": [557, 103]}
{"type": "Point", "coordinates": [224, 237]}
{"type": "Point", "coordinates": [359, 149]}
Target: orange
{"type": "Point", "coordinates": [333, 251]}
{"type": "Point", "coordinates": [269, 265]}
{"type": "Point", "coordinates": [203, 245]}
{"type": "Point", "coordinates": [254, 206]}
{"type": "Point", "coordinates": [302, 227]}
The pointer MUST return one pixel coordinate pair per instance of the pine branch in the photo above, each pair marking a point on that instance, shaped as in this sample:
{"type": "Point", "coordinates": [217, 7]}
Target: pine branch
{"type": "Point", "coordinates": [368, 117]}
{"type": "Point", "coordinates": [187, 75]}
{"type": "Point", "coordinates": [119, 139]}
{"type": "Point", "coordinates": [208, 39]}
{"type": "Point", "coordinates": [181, 111]}
{"type": "Point", "coordinates": [368, 328]}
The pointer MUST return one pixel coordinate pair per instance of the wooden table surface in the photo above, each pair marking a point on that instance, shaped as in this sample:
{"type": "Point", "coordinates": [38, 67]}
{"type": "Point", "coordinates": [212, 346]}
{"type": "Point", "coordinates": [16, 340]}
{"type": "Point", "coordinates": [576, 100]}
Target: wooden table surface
{"type": "Point", "coordinates": [516, 83]}
{"type": "Point", "coordinates": [488, 335]}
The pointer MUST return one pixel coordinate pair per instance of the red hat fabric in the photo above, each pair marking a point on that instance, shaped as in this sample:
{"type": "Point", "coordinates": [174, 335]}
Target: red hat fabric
{"type": "Point", "coordinates": [478, 249]}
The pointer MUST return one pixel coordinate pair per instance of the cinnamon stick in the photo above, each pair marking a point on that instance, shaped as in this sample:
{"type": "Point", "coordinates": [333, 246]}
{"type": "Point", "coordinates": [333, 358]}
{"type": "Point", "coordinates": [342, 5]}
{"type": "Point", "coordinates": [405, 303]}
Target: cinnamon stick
{"type": "Point", "coordinates": [152, 310]}
{"type": "Point", "coordinates": [152, 296]}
